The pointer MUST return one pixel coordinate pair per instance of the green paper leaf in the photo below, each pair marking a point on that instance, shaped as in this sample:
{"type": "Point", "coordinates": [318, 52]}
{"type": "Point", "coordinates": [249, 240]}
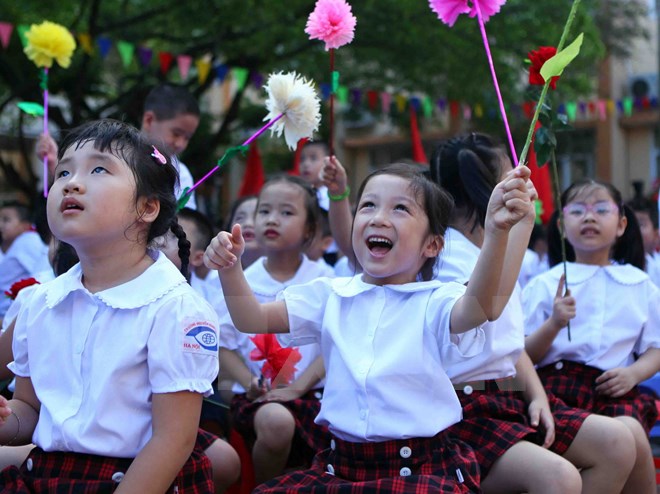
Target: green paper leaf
{"type": "Point", "coordinates": [335, 81]}
{"type": "Point", "coordinates": [183, 199]}
{"type": "Point", "coordinates": [34, 109]}
{"type": "Point", "coordinates": [230, 153]}
{"type": "Point", "coordinates": [555, 66]}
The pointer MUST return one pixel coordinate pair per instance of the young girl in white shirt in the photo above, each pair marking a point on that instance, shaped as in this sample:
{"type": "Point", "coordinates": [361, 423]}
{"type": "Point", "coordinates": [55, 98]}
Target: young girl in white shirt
{"type": "Point", "coordinates": [614, 314]}
{"type": "Point", "coordinates": [112, 359]}
{"type": "Point", "coordinates": [276, 417]}
{"type": "Point", "coordinates": [525, 440]}
{"type": "Point", "coordinates": [385, 337]}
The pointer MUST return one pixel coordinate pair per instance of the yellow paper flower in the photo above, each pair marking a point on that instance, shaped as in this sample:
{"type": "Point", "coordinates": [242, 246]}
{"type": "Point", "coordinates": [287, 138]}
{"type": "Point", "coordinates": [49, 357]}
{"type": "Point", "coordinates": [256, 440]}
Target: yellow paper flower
{"type": "Point", "coordinates": [48, 41]}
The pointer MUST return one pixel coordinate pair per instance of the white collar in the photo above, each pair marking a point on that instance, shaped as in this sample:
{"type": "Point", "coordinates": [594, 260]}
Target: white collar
{"type": "Point", "coordinates": [262, 283]}
{"type": "Point", "coordinates": [157, 280]}
{"type": "Point", "coordinates": [350, 287]}
{"type": "Point", "coordinates": [624, 274]}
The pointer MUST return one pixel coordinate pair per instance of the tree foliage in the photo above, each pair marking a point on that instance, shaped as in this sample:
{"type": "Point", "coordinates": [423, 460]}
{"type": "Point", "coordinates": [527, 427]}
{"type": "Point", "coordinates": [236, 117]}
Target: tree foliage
{"type": "Point", "coordinates": [399, 45]}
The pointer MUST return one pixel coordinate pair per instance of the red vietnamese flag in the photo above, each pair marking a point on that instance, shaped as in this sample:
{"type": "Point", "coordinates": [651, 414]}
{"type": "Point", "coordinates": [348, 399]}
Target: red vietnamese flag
{"type": "Point", "coordinates": [254, 177]}
{"type": "Point", "coordinates": [541, 179]}
{"type": "Point", "coordinates": [296, 157]}
{"type": "Point", "coordinates": [418, 154]}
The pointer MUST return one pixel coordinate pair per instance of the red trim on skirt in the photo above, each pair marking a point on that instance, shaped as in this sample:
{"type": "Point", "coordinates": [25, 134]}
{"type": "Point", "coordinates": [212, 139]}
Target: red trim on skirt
{"type": "Point", "coordinates": [494, 420]}
{"type": "Point", "coordinates": [419, 465]}
{"type": "Point", "coordinates": [575, 384]}
{"type": "Point", "coordinates": [64, 473]}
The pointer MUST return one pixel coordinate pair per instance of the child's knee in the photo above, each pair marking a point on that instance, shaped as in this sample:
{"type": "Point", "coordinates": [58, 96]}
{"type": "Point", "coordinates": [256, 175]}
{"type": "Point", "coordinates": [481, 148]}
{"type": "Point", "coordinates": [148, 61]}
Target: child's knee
{"type": "Point", "coordinates": [561, 476]}
{"type": "Point", "coordinates": [225, 463]}
{"type": "Point", "coordinates": [274, 424]}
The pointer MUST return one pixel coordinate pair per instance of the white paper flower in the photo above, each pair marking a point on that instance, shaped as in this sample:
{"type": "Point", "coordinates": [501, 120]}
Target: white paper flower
{"type": "Point", "coordinates": [292, 95]}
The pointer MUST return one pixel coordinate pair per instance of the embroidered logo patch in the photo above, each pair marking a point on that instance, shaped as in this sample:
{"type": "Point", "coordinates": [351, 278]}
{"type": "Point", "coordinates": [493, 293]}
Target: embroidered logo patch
{"type": "Point", "coordinates": [200, 337]}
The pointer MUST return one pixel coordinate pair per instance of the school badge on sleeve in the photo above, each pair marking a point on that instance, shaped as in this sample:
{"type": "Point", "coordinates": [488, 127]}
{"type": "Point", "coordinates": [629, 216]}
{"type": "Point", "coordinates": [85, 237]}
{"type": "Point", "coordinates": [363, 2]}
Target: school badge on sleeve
{"type": "Point", "coordinates": [200, 337]}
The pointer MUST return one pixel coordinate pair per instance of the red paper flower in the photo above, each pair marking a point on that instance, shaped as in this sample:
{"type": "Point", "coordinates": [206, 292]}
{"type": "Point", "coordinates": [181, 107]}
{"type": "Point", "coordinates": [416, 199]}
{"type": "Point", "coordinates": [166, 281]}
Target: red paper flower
{"type": "Point", "coordinates": [279, 362]}
{"type": "Point", "coordinates": [12, 293]}
{"type": "Point", "coordinates": [538, 58]}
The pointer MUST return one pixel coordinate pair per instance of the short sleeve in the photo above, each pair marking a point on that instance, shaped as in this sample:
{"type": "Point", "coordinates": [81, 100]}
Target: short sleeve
{"type": "Point", "coordinates": [537, 304]}
{"type": "Point", "coordinates": [183, 346]}
{"type": "Point", "coordinates": [453, 347]}
{"type": "Point", "coordinates": [650, 335]}
{"type": "Point", "coordinates": [305, 305]}
{"type": "Point", "coordinates": [20, 366]}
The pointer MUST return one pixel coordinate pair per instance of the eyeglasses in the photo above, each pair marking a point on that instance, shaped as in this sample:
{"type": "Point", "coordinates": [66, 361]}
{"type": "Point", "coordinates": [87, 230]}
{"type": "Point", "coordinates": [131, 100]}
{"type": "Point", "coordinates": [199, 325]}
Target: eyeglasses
{"type": "Point", "coordinates": [579, 210]}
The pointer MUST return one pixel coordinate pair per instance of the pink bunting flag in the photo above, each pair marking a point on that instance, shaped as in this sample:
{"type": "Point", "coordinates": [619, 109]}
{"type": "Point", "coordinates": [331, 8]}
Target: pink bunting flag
{"type": "Point", "coordinates": [5, 33]}
{"type": "Point", "coordinates": [184, 62]}
{"type": "Point", "coordinates": [385, 101]}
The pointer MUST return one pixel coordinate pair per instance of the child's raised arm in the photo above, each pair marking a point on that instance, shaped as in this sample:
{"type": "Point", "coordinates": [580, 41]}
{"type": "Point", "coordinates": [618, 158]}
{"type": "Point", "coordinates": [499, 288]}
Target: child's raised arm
{"type": "Point", "coordinates": [488, 290]}
{"type": "Point", "coordinates": [340, 216]}
{"type": "Point", "coordinates": [248, 315]}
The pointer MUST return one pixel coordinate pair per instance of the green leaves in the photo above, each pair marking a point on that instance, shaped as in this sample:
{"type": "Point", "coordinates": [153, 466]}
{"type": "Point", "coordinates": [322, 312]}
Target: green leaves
{"type": "Point", "coordinates": [555, 66]}
{"type": "Point", "coordinates": [34, 109]}
{"type": "Point", "coordinates": [545, 140]}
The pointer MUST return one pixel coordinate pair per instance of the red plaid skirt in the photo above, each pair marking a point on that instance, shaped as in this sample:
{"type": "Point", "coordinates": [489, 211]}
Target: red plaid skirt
{"type": "Point", "coordinates": [575, 384]}
{"type": "Point", "coordinates": [68, 473]}
{"type": "Point", "coordinates": [420, 465]}
{"type": "Point", "coordinates": [309, 437]}
{"type": "Point", "coordinates": [494, 420]}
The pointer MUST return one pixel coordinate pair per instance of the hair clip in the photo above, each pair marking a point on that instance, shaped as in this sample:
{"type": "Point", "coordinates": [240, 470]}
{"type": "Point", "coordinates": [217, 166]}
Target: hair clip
{"type": "Point", "coordinates": [158, 156]}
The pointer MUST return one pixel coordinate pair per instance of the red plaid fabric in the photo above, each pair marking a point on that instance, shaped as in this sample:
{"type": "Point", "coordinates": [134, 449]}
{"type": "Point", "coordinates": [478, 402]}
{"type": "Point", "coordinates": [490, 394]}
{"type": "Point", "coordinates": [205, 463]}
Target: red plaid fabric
{"type": "Point", "coordinates": [575, 384]}
{"type": "Point", "coordinates": [409, 466]}
{"type": "Point", "coordinates": [494, 420]}
{"type": "Point", "coordinates": [67, 473]}
{"type": "Point", "coordinates": [309, 437]}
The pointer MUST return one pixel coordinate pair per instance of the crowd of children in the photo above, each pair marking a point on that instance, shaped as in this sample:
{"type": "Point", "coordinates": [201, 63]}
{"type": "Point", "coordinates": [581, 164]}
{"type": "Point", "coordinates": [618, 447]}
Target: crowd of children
{"type": "Point", "coordinates": [447, 350]}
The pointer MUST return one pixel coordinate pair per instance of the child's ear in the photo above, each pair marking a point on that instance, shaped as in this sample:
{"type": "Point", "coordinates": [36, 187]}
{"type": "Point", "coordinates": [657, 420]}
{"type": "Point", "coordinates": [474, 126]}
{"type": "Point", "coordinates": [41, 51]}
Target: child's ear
{"type": "Point", "coordinates": [196, 258]}
{"type": "Point", "coordinates": [623, 223]}
{"type": "Point", "coordinates": [434, 245]}
{"type": "Point", "coordinates": [148, 118]}
{"type": "Point", "coordinates": [148, 209]}
{"type": "Point", "coordinates": [327, 242]}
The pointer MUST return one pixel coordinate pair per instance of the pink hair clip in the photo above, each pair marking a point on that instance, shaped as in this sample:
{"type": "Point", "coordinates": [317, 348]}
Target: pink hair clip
{"type": "Point", "coordinates": [158, 156]}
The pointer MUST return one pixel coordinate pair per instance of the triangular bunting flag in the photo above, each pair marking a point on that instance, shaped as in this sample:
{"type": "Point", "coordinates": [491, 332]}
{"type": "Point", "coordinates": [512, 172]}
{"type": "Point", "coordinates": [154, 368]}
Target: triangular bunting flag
{"type": "Point", "coordinates": [385, 101]}
{"type": "Point", "coordinates": [126, 51]}
{"type": "Point", "coordinates": [184, 62]}
{"type": "Point", "coordinates": [221, 71]}
{"type": "Point", "coordinates": [254, 177]}
{"type": "Point", "coordinates": [165, 60]}
{"type": "Point", "coordinates": [5, 33]}
{"type": "Point", "coordinates": [22, 29]}
{"type": "Point", "coordinates": [104, 45]}
{"type": "Point", "coordinates": [85, 41]}
{"type": "Point", "coordinates": [203, 68]}
{"type": "Point", "coordinates": [418, 154]}
{"type": "Point", "coordinates": [240, 75]}
{"type": "Point", "coordinates": [144, 55]}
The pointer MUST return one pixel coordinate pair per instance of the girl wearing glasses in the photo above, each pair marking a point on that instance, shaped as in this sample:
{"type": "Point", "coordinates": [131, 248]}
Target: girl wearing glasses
{"type": "Point", "coordinates": [614, 314]}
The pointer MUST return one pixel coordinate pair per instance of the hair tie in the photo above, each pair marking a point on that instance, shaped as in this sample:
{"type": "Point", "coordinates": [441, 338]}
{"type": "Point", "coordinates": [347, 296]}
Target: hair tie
{"type": "Point", "coordinates": [158, 156]}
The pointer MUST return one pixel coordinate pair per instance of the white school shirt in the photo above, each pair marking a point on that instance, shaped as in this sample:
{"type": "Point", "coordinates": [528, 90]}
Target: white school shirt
{"type": "Point", "coordinates": [265, 289]}
{"type": "Point", "coordinates": [504, 337]}
{"type": "Point", "coordinates": [384, 349]}
{"type": "Point", "coordinates": [532, 266]}
{"type": "Point", "coordinates": [185, 180]}
{"type": "Point", "coordinates": [617, 314]}
{"type": "Point", "coordinates": [26, 256]}
{"type": "Point", "coordinates": [95, 360]}
{"type": "Point", "coordinates": [15, 306]}
{"type": "Point", "coordinates": [209, 288]}
{"type": "Point", "coordinates": [653, 268]}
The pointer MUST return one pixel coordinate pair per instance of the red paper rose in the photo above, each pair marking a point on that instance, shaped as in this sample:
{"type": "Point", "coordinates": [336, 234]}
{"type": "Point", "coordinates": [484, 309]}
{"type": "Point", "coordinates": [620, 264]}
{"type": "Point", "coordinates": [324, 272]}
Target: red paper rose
{"type": "Point", "coordinates": [18, 286]}
{"type": "Point", "coordinates": [538, 58]}
{"type": "Point", "coordinates": [279, 362]}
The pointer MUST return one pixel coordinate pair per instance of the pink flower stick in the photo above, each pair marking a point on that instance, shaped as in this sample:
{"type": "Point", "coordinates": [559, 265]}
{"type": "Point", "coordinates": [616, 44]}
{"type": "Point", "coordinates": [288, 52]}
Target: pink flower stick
{"type": "Point", "coordinates": [482, 26]}
{"type": "Point", "coordinates": [246, 143]}
{"type": "Point", "coordinates": [46, 131]}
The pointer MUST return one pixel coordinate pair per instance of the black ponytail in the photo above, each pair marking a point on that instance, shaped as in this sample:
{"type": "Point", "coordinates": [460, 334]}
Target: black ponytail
{"type": "Point", "coordinates": [184, 247]}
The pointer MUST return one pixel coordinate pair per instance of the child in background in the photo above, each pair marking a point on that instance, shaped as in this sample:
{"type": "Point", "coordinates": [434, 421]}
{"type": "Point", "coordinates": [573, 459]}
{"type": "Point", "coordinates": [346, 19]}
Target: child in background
{"type": "Point", "coordinates": [278, 421]}
{"type": "Point", "coordinates": [646, 212]}
{"type": "Point", "coordinates": [24, 252]}
{"type": "Point", "coordinates": [535, 261]}
{"type": "Point", "coordinates": [518, 433]}
{"type": "Point", "coordinates": [614, 314]}
{"type": "Point", "coordinates": [386, 337]}
{"type": "Point", "coordinates": [243, 211]}
{"type": "Point", "coordinates": [199, 230]}
{"type": "Point", "coordinates": [311, 163]}
{"type": "Point", "coordinates": [134, 346]}
{"type": "Point", "coordinates": [322, 240]}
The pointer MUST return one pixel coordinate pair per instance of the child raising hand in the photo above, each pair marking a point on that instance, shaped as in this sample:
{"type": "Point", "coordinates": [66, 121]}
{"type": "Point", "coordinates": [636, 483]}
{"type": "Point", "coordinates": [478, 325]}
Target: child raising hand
{"type": "Point", "coordinates": [386, 337]}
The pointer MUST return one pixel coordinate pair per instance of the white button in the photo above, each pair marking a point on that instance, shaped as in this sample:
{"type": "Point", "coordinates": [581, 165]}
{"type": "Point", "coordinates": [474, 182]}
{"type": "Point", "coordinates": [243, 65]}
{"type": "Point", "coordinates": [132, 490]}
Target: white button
{"type": "Point", "coordinates": [318, 395]}
{"type": "Point", "coordinates": [117, 477]}
{"type": "Point", "coordinates": [331, 469]}
{"type": "Point", "coordinates": [468, 389]}
{"type": "Point", "coordinates": [405, 471]}
{"type": "Point", "coordinates": [333, 445]}
{"type": "Point", "coordinates": [405, 452]}
{"type": "Point", "coordinates": [29, 464]}
{"type": "Point", "coordinates": [559, 365]}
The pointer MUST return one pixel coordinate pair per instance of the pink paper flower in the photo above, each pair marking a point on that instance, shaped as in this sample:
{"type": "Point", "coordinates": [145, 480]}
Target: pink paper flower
{"type": "Point", "coordinates": [449, 10]}
{"type": "Point", "coordinates": [331, 22]}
